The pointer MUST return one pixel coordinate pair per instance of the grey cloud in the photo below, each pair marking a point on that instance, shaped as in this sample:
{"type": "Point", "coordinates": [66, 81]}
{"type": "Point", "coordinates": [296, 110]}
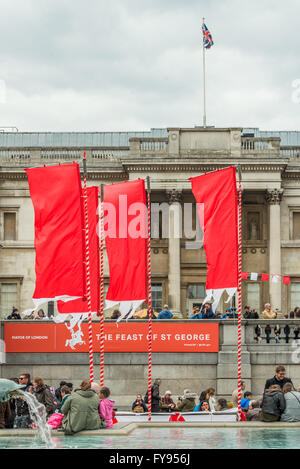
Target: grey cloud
{"type": "Point", "coordinates": [74, 65]}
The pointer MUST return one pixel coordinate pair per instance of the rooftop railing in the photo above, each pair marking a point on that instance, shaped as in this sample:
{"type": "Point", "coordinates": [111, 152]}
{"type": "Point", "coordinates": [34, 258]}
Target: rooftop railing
{"type": "Point", "coordinates": [268, 146]}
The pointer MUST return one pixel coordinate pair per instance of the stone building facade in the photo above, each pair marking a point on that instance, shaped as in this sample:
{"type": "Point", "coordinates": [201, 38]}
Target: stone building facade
{"type": "Point", "coordinates": [270, 205]}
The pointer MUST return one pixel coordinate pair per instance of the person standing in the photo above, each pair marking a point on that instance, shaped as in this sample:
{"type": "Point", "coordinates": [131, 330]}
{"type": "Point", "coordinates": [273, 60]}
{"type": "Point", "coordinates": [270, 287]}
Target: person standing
{"type": "Point", "coordinates": [43, 395]}
{"type": "Point", "coordinates": [155, 397]}
{"type": "Point", "coordinates": [268, 313]}
{"type": "Point", "coordinates": [235, 394]}
{"type": "Point", "coordinates": [106, 406]}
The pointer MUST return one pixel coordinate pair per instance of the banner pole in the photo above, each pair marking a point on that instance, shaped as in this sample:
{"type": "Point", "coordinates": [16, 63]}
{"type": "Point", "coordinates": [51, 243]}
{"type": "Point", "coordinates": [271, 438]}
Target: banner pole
{"type": "Point", "coordinates": [240, 294]}
{"type": "Point", "coordinates": [101, 290]}
{"type": "Point", "coordinates": [204, 81]}
{"type": "Point", "coordinates": [149, 300]}
{"type": "Point", "coordinates": [87, 263]}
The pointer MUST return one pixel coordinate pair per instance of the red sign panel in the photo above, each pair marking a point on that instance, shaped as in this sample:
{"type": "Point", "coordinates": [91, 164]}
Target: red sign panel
{"type": "Point", "coordinates": [124, 337]}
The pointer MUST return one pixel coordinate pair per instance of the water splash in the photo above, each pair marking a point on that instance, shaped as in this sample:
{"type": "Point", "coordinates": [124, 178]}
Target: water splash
{"type": "Point", "coordinates": [39, 418]}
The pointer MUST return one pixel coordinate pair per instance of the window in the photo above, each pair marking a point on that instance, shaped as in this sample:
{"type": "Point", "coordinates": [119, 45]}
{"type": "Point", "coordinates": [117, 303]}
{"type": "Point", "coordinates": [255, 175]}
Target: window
{"type": "Point", "coordinates": [10, 225]}
{"type": "Point", "coordinates": [296, 225]}
{"type": "Point", "coordinates": [295, 294]}
{"type": "Point", "coordinates": [253, 226]}
{"type": "Point", "coordinates": [156, 293]}
{"type": "Point", "coordinates": [253, 296]}
{"type": "Point", "coordinates": [8, 298]}
{"type": "Point", "coordinates": [196, 291]}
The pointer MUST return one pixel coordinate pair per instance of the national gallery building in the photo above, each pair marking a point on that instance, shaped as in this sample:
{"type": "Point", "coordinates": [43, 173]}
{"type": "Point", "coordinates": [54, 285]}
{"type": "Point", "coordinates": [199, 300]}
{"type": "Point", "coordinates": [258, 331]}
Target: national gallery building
{"type": "Point", "coordinates": [270, 164]}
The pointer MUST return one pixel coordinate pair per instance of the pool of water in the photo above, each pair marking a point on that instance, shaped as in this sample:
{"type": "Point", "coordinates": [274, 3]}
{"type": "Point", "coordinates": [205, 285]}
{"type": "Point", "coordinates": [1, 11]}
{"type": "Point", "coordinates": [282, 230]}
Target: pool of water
{"type": "Point", "coordinates": [168, 438]}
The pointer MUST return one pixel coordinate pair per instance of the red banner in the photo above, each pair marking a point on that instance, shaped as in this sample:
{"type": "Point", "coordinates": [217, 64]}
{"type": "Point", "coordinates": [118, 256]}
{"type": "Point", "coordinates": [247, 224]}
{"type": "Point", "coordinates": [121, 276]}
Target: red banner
{"type": "Point", "coordinates": [126, 337]}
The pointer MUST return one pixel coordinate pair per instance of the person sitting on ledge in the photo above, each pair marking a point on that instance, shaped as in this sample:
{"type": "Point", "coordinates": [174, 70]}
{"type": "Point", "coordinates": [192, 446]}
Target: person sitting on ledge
{"type": "Point", "coordinates": [279, 378]}
{"type": "Point", "coordinates": [139, 405]}
{"type": "Point", "coordinates": [204, 406]}
{"type": "Point", "coordinates": [81, 410]}
{"type": "Point", "coordinates": [253, 411]}
{"type": "Point", "coordinates": [273, 404]}
{"type": "Point", "coordinates": [246, 400]}
{"type": "Point", "coordinates": [222, 405]}
{"type": "Point", "coordinates": [186, 403]}
{"type": "Point", "coordinates": [167, 404]}
{"type": "Point", "coordinates": [165, 313]}
{"type": "Point", "coordinates": [292, 400]}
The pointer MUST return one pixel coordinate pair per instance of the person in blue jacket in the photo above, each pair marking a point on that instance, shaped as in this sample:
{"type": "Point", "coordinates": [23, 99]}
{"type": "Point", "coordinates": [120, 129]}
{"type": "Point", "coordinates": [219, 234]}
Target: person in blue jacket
{"type": "Point", "coordinates": [165, 313]}
{"type": "Point", "coordinates": [196, 313]}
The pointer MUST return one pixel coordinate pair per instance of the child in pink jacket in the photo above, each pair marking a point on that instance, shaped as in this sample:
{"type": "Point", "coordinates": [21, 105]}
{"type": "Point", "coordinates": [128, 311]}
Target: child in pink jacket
{"type": "Point", "coordinates": [106, 407]}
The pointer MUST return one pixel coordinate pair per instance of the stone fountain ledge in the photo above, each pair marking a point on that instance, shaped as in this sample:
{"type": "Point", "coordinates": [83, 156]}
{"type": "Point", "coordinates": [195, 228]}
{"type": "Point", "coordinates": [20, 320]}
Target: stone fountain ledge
{"type": "Point", "coordinates": [125, 429]}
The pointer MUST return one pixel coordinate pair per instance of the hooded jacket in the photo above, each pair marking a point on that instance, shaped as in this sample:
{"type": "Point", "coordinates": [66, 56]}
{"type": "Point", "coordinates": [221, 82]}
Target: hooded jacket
{"type": "Point", "coordinates": [44, 396]}
{"type": "Point", "coordinates": [106, 411]}
{"type": "Point", "coordinates": [273, 402]}
{"type": "Point", "coordinates": [188, 403]}
{"type": "Point", "coordinates": [292, 410]}
{"type": "Point", "coordinates": [81, 412]}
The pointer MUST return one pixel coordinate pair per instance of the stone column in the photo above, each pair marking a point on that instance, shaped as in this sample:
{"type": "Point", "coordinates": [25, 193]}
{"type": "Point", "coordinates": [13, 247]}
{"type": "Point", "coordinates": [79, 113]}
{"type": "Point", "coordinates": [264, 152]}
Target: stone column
{"type": "Point", "coordinates": [274, 197]}
{"type": "Point", "coordinates": [174, 199]}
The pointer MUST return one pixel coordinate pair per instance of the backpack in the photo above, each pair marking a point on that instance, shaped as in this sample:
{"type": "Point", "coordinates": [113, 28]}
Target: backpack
{"type": "Point", "coordinates": [138, 409]}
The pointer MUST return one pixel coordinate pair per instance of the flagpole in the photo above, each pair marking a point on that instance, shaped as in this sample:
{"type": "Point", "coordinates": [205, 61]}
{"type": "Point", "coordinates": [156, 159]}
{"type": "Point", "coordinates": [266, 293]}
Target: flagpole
{"type": "Point", "coordinates": [101, 289]}
{"type": "Point", "coordinates": [204, 82]}
{"type": "Point", "coordinates": [149, 301]}
{"type": "Point", "coordinates": [87, 260]}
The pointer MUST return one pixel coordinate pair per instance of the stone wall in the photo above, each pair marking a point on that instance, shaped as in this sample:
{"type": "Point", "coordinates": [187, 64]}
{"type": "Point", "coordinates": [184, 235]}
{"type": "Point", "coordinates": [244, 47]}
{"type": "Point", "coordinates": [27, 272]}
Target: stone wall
{"type": "Point", "coordinates": [127, 374]}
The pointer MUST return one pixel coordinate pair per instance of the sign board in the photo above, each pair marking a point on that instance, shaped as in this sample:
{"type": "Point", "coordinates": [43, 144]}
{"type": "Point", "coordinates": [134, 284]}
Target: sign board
{"type": "Point", "coordinates": [124, 337]}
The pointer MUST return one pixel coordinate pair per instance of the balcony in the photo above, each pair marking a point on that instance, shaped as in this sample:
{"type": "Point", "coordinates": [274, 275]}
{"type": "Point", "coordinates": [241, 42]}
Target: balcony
{"type": "Point", "coordinates": [260, 146]}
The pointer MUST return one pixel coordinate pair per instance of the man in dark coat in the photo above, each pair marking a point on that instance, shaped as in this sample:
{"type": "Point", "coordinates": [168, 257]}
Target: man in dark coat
{"type": "Point", "coordinates": [155, 397]}
{"type": "Point", "coordinates": [279, 378]}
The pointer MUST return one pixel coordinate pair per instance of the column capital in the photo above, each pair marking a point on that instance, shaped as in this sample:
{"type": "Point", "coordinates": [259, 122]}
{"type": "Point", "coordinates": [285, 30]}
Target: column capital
{"type": "Point", "coordinates": [274, 196]}
{"type": "Point", "coordinates": [174, 195]}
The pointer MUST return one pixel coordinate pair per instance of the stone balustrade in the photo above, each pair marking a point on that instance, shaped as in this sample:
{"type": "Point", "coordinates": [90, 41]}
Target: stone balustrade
{"type": "Point", "coordinates": [251, 145]}
{"type": "Point", "coordinates": [139, 147]}
{"type": "Point", "coordinates": [291, 152]}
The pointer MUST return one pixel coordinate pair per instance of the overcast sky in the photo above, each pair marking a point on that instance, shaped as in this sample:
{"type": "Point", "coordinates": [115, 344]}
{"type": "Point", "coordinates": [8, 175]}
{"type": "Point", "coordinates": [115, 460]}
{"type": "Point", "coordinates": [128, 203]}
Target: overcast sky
{"type": "Point", "coordinates": [136, 64]}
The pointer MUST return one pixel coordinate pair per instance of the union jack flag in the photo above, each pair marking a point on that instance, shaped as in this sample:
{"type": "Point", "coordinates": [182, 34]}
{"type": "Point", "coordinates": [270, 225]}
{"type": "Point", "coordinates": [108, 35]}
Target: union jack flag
{"type": "Point", "coordinates": [207, 37]}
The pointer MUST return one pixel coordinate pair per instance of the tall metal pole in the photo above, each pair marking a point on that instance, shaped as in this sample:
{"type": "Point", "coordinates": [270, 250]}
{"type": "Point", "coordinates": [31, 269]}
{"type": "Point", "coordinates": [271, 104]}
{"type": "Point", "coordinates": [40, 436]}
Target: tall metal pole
{"type": "Point", "coordinates": [240, 294]}
{"type": "Point", "coordinates": [149, 301]}
{"type": "Point", "coordinates": [87, 261]}
{"type": "Point", "coordinates": [204, 81]}
{"type": "Point", "coordinates": [101, 289]}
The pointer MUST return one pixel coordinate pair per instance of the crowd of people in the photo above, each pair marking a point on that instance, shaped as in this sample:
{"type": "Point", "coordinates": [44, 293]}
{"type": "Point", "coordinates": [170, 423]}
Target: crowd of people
{"type": "Point", "coordinates": [279, 401]}
{"type": "Point", "coordinates": [203, 311]}
{"type": "Point", "coordinates": [87, 408]}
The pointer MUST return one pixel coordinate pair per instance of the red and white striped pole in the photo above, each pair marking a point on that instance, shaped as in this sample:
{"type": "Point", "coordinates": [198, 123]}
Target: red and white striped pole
{"type": "Point", "coordinates": [101, 291]}
{"type": "Point", "coordinates": [87, 263]}
{"type": "Point", "coordinates": [149, 300]}
{"type": "Point", "coordinates": [240, 293]}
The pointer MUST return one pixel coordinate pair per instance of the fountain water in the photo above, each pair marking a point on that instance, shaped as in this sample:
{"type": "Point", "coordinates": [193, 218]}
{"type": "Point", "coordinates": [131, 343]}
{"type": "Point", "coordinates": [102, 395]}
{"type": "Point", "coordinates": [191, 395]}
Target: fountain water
{"type": "Point", "coordinates": [39, 418]}
{"type": "Point", "coordinates": [37, 410]}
